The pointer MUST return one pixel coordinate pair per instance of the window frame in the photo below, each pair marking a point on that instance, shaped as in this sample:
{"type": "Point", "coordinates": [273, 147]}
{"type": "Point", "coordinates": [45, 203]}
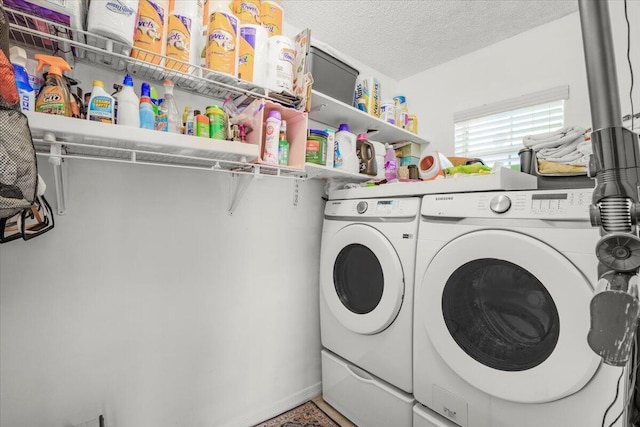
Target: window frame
{"type": "Point", "coordinates": [512, 119]}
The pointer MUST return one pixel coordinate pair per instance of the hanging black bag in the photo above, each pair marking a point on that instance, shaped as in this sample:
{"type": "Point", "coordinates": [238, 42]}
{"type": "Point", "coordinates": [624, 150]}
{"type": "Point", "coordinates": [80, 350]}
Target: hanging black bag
{"type": "Point", "coordinates": [18, 167]}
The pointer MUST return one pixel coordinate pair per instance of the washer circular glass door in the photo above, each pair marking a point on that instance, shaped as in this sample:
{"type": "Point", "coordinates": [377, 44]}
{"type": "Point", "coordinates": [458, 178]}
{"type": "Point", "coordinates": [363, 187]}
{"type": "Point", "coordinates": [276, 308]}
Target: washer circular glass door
{"type": "Point", "coordinates": [361, 279]}
{"type": "Point", "coordinates": [510, 315]}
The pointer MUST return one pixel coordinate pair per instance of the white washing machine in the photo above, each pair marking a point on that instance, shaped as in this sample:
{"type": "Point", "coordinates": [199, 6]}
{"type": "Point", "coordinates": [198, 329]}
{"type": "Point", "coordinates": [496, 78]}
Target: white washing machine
{"type": "Point", "coordinates": [503, 286]}
{"type": "Point", "coordinates": [366, 300]}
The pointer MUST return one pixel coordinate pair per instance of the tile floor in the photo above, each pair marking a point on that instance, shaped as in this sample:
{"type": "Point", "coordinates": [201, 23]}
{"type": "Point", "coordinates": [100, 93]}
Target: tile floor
{"type": "Point", "coordinates": [328, 409]}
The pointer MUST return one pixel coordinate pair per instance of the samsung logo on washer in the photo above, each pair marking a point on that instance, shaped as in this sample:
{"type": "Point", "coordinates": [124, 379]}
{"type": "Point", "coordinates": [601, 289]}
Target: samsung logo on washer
{"type": "Point", "coordinates": [444, 198]}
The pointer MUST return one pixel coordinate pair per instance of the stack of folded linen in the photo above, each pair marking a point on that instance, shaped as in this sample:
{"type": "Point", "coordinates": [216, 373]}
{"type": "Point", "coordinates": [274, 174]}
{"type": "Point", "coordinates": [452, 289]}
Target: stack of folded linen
{"type": "Point", "coordinates": [561, 151]}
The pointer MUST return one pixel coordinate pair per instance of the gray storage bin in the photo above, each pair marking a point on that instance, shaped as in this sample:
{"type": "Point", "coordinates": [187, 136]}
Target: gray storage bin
{"type": "Point", "coordinates": [331, 76]}
{"type": "Point", "coordinates": [529, 164]}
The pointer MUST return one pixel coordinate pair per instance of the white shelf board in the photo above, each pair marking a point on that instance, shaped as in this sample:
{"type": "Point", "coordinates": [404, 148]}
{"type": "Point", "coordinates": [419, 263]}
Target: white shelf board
{"type": "Point", "coordinates": [324, 172]}
{"type": "Point", "coordinates": [500, 179]}
{"type": "Point", "coordinates": [113, 141]}
{"type": "Point", "coordinates": [332, 112]}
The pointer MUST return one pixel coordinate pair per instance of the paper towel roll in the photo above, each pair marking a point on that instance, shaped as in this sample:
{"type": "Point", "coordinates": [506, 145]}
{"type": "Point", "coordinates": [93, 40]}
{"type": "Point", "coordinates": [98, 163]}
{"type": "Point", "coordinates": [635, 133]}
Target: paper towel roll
{"type": "Point", "coordinates": [252, 58]}
{"type": "Point", "coordinates": [280, 57]}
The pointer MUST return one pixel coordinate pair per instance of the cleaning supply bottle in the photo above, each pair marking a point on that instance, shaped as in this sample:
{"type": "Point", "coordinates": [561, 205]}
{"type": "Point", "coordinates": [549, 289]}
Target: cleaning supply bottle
{"type": "Point", "coordinates": [75, 101]}
{"type": "Point", "coordinates": [185, 114]}
{"type": "Point", "coordinates": [100, 107]}
{"type": "Point", "coordinates": [54, 96]}
{"type": "Point", "coordinates": [390, 163]}
{"type": "Point", "coordinates": [128, 105]}
{"type": "Point", "coordinates": [270, 154]}
{"type": "Point", "coordinates": [400, 107]}
{"type": "Point", "coordinates": [162, 119]}
{"type": "Point", "coordinates": [154, 99]}
{"type": "Point", "coordinates": [25, 90]}
{"type": "Point", "coordinates": [145, 92]}
{"type": "Point", "coordinates": [169, 103]}
{"type": "Point", "coordinates": [147, 116]}
{"type": "Point", "coordinates": [117, 89]}
{"type": "Point", "coordinates": [202, 124]}
{"type": "Point", "coordinates": [330, 149]}
{"type": "Point", "coordinates": [190, 127]}
{"type": "Point", "coordinates": [77, 97]}
{"type": "Point", "coordinates": [283, 145]}
{"type": "Point", "coordinates": [366, 155]}
{"type": "Point", "coordinates": [346, 158]}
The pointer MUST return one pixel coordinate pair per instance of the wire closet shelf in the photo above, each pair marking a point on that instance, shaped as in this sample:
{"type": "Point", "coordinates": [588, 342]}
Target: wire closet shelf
{"type": "Point", "coordinates": [73, 45]}
{"type": "Point", "coordinates": [64, 138]}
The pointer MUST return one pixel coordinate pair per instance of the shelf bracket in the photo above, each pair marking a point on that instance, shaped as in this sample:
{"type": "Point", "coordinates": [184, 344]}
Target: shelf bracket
{"type": "Point", "coordinates": [239, 185]}
{"type": "Point", "coordinates": [59, 172]}
{"type": "Point", "coordinates": [318, 108]}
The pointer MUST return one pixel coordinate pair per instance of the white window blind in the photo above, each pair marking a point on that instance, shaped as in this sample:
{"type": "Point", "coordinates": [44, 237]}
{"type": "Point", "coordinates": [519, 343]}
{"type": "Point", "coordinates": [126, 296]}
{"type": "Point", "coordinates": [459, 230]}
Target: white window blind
{"type": "Point", "coordinates": [494, 132]}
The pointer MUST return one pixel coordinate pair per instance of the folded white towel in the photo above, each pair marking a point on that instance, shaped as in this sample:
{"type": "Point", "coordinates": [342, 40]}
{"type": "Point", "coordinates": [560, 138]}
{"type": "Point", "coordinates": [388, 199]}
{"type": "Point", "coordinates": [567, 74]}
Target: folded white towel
{"type": "Point", "coordinates": [575, 153]}
{"type": "Point", "coordinates": [553, 139]}
{"type": "Point", "coordinates": [560, 151]}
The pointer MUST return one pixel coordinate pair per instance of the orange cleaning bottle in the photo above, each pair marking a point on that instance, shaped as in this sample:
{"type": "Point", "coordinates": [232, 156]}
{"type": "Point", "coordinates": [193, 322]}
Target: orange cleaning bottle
{"type": "Point", "coordinates": [54, 97]}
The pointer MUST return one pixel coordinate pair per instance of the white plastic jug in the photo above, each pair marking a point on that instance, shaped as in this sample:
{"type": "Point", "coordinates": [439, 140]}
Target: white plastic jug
{"type": "Point", "coordinates": [346, 146]}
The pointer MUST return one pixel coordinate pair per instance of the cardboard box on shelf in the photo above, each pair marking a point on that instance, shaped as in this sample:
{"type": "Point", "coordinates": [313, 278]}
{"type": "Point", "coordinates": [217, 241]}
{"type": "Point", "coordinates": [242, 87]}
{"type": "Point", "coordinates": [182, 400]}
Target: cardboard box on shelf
{"type": "Point", "coordinates": [407, 149]}
{"type": "Point", "coordinates": [367, 95]}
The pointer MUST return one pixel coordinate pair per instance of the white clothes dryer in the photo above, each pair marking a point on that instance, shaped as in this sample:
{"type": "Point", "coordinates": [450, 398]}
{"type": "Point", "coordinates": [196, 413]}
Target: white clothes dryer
{"type": "Point", "coordinates": [366, 285]}
{"type": "Point", "coordinates": [503, 286]}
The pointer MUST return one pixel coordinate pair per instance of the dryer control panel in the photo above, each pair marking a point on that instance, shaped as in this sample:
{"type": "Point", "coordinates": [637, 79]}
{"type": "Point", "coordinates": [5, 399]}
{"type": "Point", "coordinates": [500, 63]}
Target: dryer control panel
{"type": "Point", "coordinates": [373, 208]}
{"type": "Point", "coordinates": [572, 204]}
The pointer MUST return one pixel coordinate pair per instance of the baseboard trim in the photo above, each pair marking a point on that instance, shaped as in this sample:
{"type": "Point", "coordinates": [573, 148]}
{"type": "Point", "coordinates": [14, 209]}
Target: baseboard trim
{"type": "Point", "coordinates": [278, 407]}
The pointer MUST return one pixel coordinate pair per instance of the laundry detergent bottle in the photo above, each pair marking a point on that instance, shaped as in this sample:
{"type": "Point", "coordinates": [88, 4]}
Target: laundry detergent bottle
{"type": "Point", "coordinates": [54, 97]}
{"type": "Point", "coordinates": [366, 155]}
{"type": "Point", "coordinates": [345, 157]}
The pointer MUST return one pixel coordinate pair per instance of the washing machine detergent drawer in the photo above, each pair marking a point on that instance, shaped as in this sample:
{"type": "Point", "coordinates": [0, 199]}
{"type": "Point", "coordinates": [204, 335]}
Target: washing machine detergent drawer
{"type": "Point", "coordinates": [364, 399]}
{"type": "Point", "coordinates": [425, 417]}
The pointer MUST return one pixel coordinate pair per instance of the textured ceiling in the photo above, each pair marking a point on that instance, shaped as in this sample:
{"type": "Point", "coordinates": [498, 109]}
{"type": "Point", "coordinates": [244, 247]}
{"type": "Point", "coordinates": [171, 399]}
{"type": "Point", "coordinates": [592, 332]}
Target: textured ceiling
{"type": "Point", "coordinates": [400, 38]}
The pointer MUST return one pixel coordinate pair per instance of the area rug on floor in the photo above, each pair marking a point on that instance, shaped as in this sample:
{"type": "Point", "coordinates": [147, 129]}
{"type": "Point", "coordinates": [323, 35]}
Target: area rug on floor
{"type": "Point", "coordinates": [306, 415]}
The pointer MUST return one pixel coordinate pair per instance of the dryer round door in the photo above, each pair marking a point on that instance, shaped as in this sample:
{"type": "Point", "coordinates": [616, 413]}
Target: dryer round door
{"type": "Point", "coordinates": [510, 315]}
{"type": "Point", "coordinates": [361, 279]}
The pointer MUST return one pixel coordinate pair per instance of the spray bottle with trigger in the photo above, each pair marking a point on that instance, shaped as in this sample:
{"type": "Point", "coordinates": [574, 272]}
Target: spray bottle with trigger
{"type": "Point", "coordinates": [54, 97]}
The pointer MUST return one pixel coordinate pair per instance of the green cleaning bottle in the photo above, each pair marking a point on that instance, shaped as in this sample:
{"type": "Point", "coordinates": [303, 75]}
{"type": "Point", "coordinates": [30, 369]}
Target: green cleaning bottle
{"type": "Point", "coordinates": [283, 145]}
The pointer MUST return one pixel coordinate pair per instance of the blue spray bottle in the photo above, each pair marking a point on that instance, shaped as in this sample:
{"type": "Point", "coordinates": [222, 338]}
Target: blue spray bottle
{"type": "Point", "coordinates": [25, 91]}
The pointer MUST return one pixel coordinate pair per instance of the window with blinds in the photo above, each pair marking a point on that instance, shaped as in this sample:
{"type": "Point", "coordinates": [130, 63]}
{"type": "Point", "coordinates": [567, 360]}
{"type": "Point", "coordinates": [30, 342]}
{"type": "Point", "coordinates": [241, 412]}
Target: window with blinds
{"type": "Point", "coordinates": [494, 132]}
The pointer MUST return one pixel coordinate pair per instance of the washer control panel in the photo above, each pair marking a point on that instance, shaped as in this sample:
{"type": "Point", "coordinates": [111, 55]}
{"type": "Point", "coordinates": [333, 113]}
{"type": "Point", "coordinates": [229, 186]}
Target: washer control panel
{"type": "Point", "coordinates": [537, 204]}
{"type": "Point", "coordinates": [374, 208]}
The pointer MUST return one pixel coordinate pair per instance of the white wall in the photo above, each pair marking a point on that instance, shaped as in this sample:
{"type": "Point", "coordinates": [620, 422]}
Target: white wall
{"type": "Point", "coordinates": [149, 303]}
{"type": "Point", "coordinates": [548, 56]}
{"type": "Point", "coordinates": [388, 85]}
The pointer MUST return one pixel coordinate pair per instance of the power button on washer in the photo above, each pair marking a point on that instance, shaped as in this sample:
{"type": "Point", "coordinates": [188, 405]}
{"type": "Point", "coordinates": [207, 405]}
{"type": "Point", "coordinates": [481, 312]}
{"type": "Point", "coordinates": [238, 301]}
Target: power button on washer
{"type": "Point", "coordinates": [362, 207]}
